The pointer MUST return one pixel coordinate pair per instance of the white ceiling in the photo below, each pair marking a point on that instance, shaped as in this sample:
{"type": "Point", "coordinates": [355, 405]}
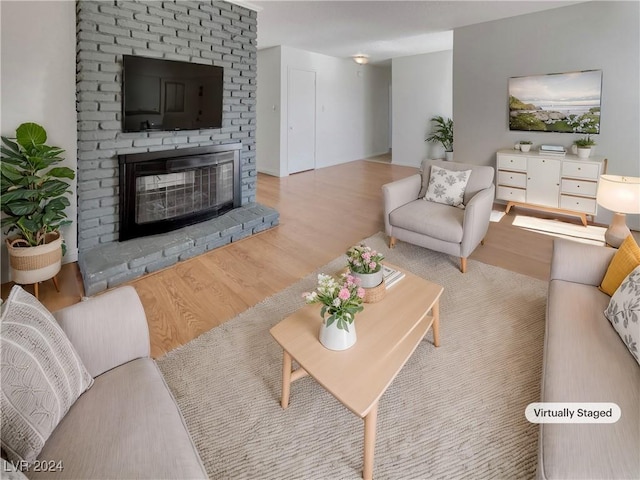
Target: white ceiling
{"type": "Point", "coordinates": [380, 29]}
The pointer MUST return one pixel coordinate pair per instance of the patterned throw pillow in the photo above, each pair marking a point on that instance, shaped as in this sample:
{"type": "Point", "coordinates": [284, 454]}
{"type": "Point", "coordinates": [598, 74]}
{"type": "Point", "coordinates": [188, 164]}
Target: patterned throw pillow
{"type": "Point", "coordinates": [447, 186]}
{"type": "Point", "coordinates": [624, 312]}
{"type": "Point", "coordinates": [42, 375]}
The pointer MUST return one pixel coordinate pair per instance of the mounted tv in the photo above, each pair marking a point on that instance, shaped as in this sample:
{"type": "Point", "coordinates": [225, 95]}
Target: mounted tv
{"type": "Point", "coordinates": [162, 95]}
{"type": "Point", "coordinates": [557, 102]}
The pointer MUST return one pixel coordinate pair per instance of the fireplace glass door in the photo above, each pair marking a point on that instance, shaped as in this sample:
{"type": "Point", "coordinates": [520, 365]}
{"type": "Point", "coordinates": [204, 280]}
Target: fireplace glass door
{"type": "Point", "coordinates": [171, 195]}
{"type": "Point", "coordinates": [163, 191]}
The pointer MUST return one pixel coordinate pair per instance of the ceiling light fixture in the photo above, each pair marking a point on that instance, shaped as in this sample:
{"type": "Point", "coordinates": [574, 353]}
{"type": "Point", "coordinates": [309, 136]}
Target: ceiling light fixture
{"type": "Point", "coordinates": [361, 59]}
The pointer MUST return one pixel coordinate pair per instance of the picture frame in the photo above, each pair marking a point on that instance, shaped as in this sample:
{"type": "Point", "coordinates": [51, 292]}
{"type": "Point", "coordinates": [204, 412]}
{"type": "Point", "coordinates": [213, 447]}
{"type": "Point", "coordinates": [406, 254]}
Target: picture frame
{"type": "Point", "coordinates": [567, 102]}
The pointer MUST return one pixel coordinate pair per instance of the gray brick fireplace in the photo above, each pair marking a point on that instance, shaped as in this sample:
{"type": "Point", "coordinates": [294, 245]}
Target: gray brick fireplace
{"type": "Point", "coordinates": [208, 32]}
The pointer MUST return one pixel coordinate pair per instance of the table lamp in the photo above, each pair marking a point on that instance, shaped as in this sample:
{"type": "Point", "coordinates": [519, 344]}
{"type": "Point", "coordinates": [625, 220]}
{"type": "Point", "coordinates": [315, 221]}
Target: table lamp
{"type": "Point", "coordinates": [621, 195]}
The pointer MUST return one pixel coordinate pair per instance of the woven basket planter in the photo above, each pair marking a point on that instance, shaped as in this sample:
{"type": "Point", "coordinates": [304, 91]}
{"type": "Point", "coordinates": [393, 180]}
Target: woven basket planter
{"type": "Point", "coordinates": [375, 294]}
{"type": "Point", "coordinates": [35, 264]}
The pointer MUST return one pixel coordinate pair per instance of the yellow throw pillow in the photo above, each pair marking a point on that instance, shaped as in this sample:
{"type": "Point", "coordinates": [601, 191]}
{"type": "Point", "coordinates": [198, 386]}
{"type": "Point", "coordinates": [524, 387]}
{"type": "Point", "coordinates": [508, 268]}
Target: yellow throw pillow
{"type": "Point", "coordinates": [624, 261]}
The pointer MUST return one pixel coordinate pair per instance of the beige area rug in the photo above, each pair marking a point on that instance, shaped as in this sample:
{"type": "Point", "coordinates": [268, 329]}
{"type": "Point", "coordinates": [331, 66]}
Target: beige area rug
{"type": "Point", "coordinates": [456, 411]}
{"type": "Point", "coordinates": [590, 234]}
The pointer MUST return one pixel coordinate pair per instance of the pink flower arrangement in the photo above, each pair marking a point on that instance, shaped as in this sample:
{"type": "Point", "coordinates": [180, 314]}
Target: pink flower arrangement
{"type": "Point", "coordinates": [341, 297]}
{"type": "Point", "coordinates": [363, 259]}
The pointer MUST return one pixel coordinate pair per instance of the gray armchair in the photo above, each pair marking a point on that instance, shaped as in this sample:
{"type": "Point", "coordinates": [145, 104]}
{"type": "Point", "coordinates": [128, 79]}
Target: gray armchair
{"type": "Point", "coordinates": [443, 228]}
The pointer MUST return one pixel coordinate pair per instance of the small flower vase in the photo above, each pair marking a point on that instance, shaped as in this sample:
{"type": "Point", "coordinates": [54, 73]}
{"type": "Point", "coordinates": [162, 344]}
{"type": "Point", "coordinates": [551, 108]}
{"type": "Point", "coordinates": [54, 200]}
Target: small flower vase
{"type": "Point", "coordinates": [335, 338]}
{"type": "Point", "coordinates": [369, 280]}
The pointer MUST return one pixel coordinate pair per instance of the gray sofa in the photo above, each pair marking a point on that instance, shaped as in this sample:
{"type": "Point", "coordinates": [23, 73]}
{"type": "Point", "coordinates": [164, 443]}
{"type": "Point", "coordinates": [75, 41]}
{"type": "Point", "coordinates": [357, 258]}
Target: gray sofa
{"type": "Point", "coordinates": [127, 425]}
{"type": "Point", "coordinates": [435, 226]}
{"type": "Point", "coordinates": [586, 361]}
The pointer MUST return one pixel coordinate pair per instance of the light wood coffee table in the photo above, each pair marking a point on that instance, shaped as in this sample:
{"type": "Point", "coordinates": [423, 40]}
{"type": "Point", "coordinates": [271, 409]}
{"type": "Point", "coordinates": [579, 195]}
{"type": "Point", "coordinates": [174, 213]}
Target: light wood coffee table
{"type": "Point", "coordinates": [388, 333]}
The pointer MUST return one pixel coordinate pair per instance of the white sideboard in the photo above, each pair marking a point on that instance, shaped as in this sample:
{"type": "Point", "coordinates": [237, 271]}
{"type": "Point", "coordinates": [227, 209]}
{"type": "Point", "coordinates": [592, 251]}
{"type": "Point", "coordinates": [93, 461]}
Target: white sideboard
{"type": "Point", "coordinates": [546, 182]}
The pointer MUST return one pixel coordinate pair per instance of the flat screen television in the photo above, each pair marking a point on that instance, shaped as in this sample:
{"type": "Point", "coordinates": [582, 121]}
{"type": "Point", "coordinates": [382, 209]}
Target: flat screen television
{"type": "Point", "coordinates": [557, 102]}
{"type": "Point", "coordinates": [163, 94]}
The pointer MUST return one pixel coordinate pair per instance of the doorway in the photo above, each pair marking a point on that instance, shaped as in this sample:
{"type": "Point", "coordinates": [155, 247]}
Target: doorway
{"type": "Point", "coordinates": [301, 115]}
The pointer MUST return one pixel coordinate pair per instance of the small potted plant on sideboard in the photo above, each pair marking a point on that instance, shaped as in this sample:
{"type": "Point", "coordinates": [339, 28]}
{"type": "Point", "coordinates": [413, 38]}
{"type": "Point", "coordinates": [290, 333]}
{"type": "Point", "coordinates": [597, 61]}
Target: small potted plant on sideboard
{"type": "Point", "coordinates": [584, 146]}
{"type": "Point", "coordinates": [525, 145]}
{"type": "Point", "coordinates": [34, 202]}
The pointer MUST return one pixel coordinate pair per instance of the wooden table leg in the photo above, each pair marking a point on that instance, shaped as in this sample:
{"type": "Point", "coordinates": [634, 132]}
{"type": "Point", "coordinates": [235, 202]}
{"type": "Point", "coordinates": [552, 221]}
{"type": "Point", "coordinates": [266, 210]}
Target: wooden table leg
{"type": "Point", "coordinates": [286, 379]}
{"type": "Point", "coordinates": [55, 284]}
{"type": "Point", "coordinates": [435, 311]}
{"type": "Point", "coordinates": [509, 205]}
{"type": "Point", "coordinates": [583, 217]}
{"type": "Point", "coordinates": [370, 422]}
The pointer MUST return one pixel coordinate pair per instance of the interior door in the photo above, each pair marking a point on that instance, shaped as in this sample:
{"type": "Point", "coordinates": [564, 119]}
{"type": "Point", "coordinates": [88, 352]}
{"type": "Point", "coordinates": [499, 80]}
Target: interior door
{"type": "Point", "coordinates": [301, 114]}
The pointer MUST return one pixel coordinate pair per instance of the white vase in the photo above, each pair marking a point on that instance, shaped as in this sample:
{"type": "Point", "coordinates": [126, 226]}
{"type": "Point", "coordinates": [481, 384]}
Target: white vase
{"type": "Point", "coordinates": [525, 147]}
{"type": "Point", "coordinates": [584, 152]}
{"type": "Point", "coordinates": [369, 280]}
{"type": "Point", "coordinates": [335, 338]}
{"type": "Point", "coordinates": [448, 156]}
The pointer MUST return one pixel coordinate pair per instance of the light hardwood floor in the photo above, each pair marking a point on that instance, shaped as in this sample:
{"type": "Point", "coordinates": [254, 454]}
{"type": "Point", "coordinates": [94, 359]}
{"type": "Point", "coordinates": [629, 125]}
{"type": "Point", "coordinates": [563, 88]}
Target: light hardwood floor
{"type": "Point", "coordinates": [322, 213]}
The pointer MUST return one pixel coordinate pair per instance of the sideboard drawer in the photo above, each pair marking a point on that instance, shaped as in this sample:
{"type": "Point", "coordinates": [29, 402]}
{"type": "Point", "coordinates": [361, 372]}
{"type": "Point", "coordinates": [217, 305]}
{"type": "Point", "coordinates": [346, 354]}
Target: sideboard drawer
{"type": "Point", "coordinates": [511, 162]}
{"type": "Point", "coordinates": [511, 194]}
{"type": "Point", "coordinates": [578, 204]}
{"type": "Point", "coordinates": [579, 187]}
{"type": "Point", "coordinates": [580, 170]}
{"type": "Point", "coordinates": [512, 179]}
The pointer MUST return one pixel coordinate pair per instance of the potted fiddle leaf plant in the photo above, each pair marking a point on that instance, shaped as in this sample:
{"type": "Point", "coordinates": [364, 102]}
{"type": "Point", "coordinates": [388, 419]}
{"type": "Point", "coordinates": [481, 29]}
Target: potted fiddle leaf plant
{"type": "Point", "coordinates": [442, 133]}
{"type": "Point", "coordinates": [33, 201]}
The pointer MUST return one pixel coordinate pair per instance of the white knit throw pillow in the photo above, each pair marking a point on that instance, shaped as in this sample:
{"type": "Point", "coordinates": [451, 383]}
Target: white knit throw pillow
{"type": "Point", "coordinates": [42, 375]}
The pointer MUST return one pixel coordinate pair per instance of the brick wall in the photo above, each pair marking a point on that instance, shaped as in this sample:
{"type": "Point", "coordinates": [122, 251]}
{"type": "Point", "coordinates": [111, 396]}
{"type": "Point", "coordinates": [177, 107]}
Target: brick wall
{"type": "Point", "coordinates": [208, 32]}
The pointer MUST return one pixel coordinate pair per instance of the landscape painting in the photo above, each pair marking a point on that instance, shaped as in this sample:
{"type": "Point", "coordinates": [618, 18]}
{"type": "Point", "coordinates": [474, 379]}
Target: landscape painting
{"type": "Point", "coordinates": [559, 102]}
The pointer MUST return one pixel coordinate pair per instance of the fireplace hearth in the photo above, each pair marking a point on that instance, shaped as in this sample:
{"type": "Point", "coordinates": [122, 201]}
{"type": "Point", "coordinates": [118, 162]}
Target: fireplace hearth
{"type": "Point", "coordinates": [167, 190]}
{"type": "Point", "coordinates": [174, 205]}
{"type": "Point", "coordinates": [112, 264]}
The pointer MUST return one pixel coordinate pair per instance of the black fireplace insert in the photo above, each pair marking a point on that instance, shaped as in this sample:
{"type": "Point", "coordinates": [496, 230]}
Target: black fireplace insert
{"type": "Point", "coordinates": [163, 191]}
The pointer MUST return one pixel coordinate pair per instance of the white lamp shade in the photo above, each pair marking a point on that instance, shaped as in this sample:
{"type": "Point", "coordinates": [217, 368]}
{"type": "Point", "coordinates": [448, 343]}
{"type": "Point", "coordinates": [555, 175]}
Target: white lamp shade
{"type": "Point", "coordinates": [619, 194]}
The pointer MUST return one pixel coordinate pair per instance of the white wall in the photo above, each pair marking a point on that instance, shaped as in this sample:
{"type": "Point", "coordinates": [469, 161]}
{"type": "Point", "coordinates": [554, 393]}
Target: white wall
{"type": "Point", "coordinates": [38, 78]}
{"type": "Point", "coordinates": [268, 112]}
{"type": "Point", "coordinates": [422, 88]}
{"type": "Point", "coordinates": [591, 35]}
{"type": "Point", "coordinates": [352, 108]}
